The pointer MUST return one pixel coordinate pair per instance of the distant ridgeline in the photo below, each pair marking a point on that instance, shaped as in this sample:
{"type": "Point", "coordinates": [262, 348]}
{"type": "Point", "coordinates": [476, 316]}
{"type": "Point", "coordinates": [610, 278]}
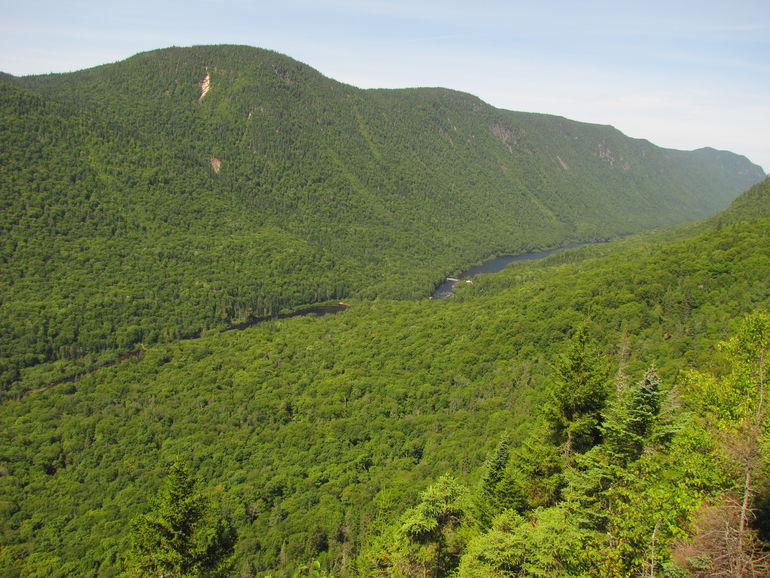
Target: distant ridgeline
{"type": "Point", "coordinates": [187, 189]}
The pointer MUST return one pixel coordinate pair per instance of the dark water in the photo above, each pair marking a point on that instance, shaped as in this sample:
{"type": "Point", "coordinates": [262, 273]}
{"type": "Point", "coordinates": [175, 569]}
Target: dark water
{"type": "Point", "coordinates": [317, 310]}
{"type": "Point", "coordinates": [493, 266]}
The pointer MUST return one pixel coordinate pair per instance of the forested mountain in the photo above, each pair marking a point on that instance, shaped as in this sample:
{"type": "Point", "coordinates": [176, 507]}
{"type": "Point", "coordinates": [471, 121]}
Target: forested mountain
{"type": "Point", "coordinates": [188, 189]}
{"type": "Point", "coordinates": [330, 438]}
{"type": "Point", "coordinates": [621, 471]}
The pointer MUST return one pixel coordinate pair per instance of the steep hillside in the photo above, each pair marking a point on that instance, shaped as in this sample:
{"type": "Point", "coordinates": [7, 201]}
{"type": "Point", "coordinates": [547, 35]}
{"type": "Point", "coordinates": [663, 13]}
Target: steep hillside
{"type": "Point", "coordinates": [623, 470]}
{"type": "Point", "coordinates": [753, 204]}
{"type": "Point", "coordinates": [186, 189]}
{"type": "Point", "coordinates": [313, 435]}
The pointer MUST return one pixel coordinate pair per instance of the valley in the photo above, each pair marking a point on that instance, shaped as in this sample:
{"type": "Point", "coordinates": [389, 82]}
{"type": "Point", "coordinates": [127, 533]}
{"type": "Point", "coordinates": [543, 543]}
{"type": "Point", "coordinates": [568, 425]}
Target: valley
{"type": "Point", "coordinates": [493, 265]}
{"type": "Point", "coordinates": [266, 237]}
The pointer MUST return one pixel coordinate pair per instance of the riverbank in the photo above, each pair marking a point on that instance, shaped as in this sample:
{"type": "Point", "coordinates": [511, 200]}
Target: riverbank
{"type": "Point", "coordinates": [77, 371]}
{"type": "Point", "coordinates": [445, 289]}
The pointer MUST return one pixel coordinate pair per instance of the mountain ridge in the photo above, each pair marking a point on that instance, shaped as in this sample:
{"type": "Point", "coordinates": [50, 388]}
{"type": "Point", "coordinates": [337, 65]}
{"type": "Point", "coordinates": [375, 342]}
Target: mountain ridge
{"type": "Point", "coordinates": [176, 212]}
{"type": "Point", "coordinates": [147, 206]}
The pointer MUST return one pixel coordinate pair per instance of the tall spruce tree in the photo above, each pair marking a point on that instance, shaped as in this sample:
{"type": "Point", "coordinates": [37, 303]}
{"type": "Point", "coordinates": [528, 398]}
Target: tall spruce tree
{"type": "Point", "coordinates": [429, 529]}
{"type": "Point", "coordinates": [499, 489]}
{"type": "Point", "coordinates": [172, 540]}
{"type": "Point", "coordinates": [630, 419]}
{"type": "Point", "coordinates": [602, 476]}
{"type": "Point", "coordinates": [577, 395]}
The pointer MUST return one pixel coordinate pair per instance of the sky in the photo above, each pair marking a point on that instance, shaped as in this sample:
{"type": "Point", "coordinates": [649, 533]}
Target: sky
{"type": "Point", "coordinates": [683, 74]}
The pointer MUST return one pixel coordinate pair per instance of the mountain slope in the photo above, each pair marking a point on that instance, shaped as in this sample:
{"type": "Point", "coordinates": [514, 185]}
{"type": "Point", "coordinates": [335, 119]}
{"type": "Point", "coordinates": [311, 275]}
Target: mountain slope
{"type": "Point", "coordinates": [189, 188]}
{"type": "Point", "coordinates": [663, 474]}
{"type": "Point", "coordinates": [314, 434]}
{"type": "Point", "coordinates": [753, 204]}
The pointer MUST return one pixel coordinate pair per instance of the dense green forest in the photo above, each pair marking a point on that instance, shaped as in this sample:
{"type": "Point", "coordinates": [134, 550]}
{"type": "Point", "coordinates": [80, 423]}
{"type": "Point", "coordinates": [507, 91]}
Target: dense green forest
{"type": "Point", "coordinates": [601, 412]}
{"type": "Point", "coordinates": [572, 416]}
{"type": "Point", "coordinates": [186, 190]}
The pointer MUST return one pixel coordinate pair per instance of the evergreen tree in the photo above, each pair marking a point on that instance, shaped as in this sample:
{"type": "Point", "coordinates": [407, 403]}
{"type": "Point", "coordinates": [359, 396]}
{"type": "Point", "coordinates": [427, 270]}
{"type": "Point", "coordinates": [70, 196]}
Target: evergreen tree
{"type": "Point", "coordinates": [576, 395]}
{"type": "Point", "coordinates": [428, 542]}
{"type": "Point", "coordinates": [599, 484]}
{"type": "Point", "coordinates": [499, 489]}
{"type": "Point", "coordinates": [538, 469]}
{"type": "Point", "coordinates": [630, 419]}
{"type": "Point", "coordinates": [173, 541]}
{"type": "Point", "coordinates": [546, 542]}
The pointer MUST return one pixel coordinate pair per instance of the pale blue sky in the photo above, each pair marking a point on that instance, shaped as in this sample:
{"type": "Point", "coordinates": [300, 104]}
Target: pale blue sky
{"type": "Point", "coordinates": [681, 73]}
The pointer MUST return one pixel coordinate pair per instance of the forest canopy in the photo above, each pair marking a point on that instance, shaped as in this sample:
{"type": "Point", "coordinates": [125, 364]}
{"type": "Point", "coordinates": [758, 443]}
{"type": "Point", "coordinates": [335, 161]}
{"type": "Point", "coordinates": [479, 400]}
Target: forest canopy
{"type": "Point", "coordinates": [137, 210]}
{"type": "Point", "coordinates": [162, 408]}
{"type": "Point", "coordinates": [317, 437]}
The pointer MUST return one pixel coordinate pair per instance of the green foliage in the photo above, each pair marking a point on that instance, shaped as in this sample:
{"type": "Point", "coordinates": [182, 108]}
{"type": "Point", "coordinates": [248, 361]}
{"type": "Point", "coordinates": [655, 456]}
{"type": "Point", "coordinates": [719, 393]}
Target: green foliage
{"type": "Point", "coordinates": [601, 522]}
{"type": "Point", "coordinates": [751, 205]}
{"type": "Point", "coordinates": [312, 570]}
{"type": "Point", "coordinates": [137, 211]}
{"type": "Point", "coordinates": [537, 470]}
{"type": "Point", "coordinates": [427, 542]}
{"type": "Point", "coordinates": [545, 543]}
{"type": "Point", "coordinates": [628, 502]}
{"type": "Point", "coordinates": [498, 489]}
{"type": "Point", "coordinates": [576, 396]}
{"type": "Point", "coordinates": [173, 541]}
{"type": "Point", "coordinates": [734, 410]}
{"type": "Point", "coordinates": [631, 418]}
{"type": "Point", "coordinates": [321, 431]}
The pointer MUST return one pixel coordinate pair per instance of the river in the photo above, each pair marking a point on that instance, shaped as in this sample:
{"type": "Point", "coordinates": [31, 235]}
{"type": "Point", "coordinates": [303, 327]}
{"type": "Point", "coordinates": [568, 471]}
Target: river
{"type": "Point", "coordinates": [317, 310]}
{"type": "Point", "coordinates": [494, 265]}
{"type": "Point", "coordinates": [443, 291]}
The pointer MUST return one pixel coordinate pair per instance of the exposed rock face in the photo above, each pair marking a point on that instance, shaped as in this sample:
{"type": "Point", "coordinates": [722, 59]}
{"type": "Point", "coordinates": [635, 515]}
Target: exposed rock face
{"type": "Point", "coordinates": [205, 84]}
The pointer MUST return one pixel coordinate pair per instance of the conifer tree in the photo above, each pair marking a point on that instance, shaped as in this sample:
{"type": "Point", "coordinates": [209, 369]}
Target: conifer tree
{"type": "Point", "coordinates": [487, 499]}
{"type": "Point", "coordinates": [537, 469]}
{"type": "Point", "coordinates": [429, 530]}
{"type": "Point", "coordinates": [577, 395]}
{"type": "Point", "coordinates": [500, 487]}
{"type": "Point", "coordinates": [630, 419]}
{"type": "Point", "coordinates": [602, 476]}
{"type": "Point", "coordinates": [173, 541]}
